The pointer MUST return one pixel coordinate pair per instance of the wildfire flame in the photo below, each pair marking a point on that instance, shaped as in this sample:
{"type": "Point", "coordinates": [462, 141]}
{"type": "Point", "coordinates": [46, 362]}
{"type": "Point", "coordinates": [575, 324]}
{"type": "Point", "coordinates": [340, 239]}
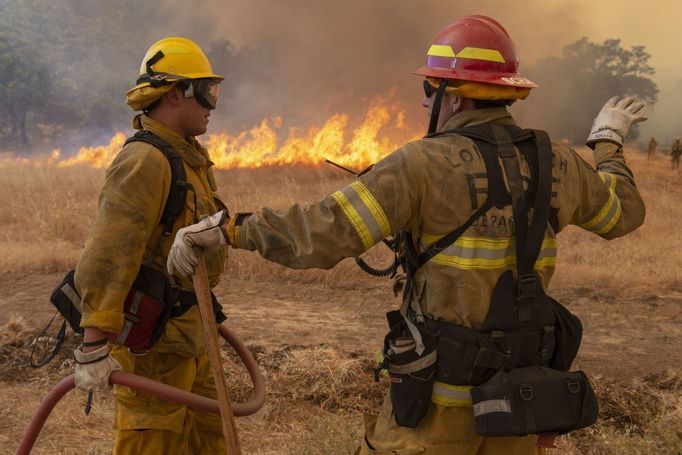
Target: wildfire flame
{"type": "Point", "coordinates": [381, 131]}
{"type": "Point", "coordinates": [100, 156]}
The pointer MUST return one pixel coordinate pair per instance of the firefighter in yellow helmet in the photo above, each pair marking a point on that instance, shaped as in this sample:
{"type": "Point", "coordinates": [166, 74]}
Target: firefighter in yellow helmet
{"type": "Point", "coordinates": [160, 182]}
{"type": "Point", "coordinates": [474, 318]}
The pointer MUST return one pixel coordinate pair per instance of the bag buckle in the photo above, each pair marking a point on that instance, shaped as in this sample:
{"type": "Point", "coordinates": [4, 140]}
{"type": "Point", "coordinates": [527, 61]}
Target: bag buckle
{"type": "Point", "coordinates": [573, 386]}
{"type": "Point", "coordinates": [525, 286]}
{"type": "Point", "coordinates": [526, 392]}
{"type": "Point", "coordinates": [497, 336]}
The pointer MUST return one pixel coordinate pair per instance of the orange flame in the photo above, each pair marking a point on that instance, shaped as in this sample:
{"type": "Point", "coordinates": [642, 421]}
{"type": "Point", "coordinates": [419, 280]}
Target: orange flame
{"type": "Point", "coordinates": [381, 131]}
{"type": "Point", "coordinates": [100, 156]}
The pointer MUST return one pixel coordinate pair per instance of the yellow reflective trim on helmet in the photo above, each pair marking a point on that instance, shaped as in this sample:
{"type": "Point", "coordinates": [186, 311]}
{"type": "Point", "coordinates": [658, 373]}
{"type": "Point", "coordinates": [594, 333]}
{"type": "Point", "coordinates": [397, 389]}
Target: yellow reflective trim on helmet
{"type": "Point", "coordinates": [441, 50]}
{"type": "Point", "coordinates": [374, 208]}
{"type": "Point", "coordinates": [609, 215]}
{"type": "Point", "coordinates": [354, 218]}
{"type": "Point", "coordinates": [478, 53]}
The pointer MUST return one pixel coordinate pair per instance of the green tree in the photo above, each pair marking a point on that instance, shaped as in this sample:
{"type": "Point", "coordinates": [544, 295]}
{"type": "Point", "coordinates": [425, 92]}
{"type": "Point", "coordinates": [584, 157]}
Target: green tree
{"type": "Point", "coordinates": [65, 65]}
{"type": "Point", "coordinates": [25, 82]}
{"type": "Point", "coordinates": [574, 86]}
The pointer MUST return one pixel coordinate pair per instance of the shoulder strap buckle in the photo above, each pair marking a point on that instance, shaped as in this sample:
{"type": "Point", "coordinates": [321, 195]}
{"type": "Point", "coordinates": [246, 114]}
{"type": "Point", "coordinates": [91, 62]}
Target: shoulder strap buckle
{"type": "Point", "coordinates": [525, 286]}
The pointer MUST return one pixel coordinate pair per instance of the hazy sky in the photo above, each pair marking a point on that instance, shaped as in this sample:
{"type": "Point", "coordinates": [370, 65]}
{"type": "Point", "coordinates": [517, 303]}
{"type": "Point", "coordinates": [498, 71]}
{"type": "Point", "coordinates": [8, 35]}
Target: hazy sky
{"type": "Point", "coordinates": [315, 57]}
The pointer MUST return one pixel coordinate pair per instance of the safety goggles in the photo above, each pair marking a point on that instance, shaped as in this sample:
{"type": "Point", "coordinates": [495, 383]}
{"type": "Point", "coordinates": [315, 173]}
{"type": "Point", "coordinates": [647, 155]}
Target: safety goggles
{"type": "Point", "coordinates": [205, 91]}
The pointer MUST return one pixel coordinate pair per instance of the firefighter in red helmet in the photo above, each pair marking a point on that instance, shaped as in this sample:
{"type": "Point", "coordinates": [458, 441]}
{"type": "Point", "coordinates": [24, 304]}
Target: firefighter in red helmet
{"type": "Point", "coordinates": [473, 58]}
{"type": "Point", "coordinates": [478, 355]}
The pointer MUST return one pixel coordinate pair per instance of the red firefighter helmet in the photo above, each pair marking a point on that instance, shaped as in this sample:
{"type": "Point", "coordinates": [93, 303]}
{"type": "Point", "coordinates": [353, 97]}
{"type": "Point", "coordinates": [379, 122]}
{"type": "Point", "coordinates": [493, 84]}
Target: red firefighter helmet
{"type": "Point", "coordinates": [477, 49]}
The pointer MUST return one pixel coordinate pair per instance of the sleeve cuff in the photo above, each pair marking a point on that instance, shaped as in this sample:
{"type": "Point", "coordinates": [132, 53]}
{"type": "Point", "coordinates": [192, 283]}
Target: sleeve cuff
{"type": "Point", "coordinates": [233, 229]}
{"type": "Point", "coordinates": [106, 321]}
{"type": "Point", "coordinates": [605, 150]}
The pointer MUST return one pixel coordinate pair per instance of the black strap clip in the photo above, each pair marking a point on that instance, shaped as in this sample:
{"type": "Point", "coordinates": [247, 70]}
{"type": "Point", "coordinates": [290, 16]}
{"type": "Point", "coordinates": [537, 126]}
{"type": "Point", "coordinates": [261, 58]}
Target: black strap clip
{"type": "Point", "coordinates": [525, 287]}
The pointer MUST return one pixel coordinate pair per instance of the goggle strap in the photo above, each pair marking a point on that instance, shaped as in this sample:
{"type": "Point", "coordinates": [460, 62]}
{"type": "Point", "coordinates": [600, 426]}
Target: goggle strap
{"type": "Point", "coordinates": [435, 109]}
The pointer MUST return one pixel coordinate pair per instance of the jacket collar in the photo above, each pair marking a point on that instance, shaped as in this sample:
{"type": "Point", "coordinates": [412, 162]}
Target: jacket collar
{"type": "Point", "coordinates": [478, 117]}
{"type": "Point", "coordinates": [188, 148]}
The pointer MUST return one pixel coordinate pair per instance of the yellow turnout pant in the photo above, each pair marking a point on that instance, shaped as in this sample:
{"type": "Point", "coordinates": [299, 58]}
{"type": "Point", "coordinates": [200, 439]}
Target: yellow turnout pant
{"type": "Point", "coordinates": [146, 425]}
{"type": "Point", "coordinates": [442, 431]}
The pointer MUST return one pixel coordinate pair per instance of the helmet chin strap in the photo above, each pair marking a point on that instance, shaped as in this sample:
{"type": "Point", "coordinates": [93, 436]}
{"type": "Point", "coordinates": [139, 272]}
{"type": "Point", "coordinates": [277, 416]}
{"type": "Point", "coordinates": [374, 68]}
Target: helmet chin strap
{"type": "Point", "coordinates": [435, 107]}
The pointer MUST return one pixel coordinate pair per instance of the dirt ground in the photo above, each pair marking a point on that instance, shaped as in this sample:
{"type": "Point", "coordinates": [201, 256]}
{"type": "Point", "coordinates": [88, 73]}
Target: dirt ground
{"type": "Point", "coordinates": [625, 337]}
{"type": "Point", "coordinates": [315, 333]}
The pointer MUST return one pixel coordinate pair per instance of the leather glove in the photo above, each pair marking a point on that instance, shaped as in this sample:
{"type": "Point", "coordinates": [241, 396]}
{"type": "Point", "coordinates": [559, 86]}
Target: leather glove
{"type": "Point", "coordinates": [615, 119]}
{"type": "Point", "coordinates": [204, 234]}
{"type": "Point", "coordinates": [93, 369]}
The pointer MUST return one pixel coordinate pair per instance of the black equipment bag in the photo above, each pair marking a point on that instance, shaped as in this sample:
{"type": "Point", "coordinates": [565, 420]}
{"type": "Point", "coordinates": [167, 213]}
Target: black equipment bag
{"type": "Point", "coordinates": [68, 302]}
{"type": "Point", "coordinates": [410, 358]}
{"type": "Point", "coordinates": [534, 400]}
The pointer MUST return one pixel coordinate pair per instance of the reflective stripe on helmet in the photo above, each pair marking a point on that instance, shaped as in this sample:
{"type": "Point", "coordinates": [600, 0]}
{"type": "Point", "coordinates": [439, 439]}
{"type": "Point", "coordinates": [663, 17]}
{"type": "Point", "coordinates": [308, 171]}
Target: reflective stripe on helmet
{"type": "Point", "coordinates": [439, 50]}
{"type": "Point", "coordinates": [474, 53]}
{"type": "Point", "coordinates": [477, 53]}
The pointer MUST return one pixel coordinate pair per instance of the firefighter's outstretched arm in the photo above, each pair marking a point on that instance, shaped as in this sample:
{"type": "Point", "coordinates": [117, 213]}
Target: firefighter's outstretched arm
{"type": "Point", "coordinates": [610, 203]}
{"type": "Point", "coordinates": [320, 234]}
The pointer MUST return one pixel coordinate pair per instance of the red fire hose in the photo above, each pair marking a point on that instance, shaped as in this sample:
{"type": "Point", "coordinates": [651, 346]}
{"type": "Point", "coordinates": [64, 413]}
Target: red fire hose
{"type": "Point", "coordinates": [157, 389]}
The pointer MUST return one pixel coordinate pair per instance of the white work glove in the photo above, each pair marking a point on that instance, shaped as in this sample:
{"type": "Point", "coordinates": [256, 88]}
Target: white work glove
{"type": "Point", "coordinates": [615, 119]}
{"type": "Point", "coordinates": [93, 369]}
{"type": "Point", "coordinates": [205, 234]}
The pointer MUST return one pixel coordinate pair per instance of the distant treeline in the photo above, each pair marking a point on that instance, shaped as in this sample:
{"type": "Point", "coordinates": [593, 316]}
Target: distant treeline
{"type": "Point", "coordinates": [575, 84]}
{"type": "Point", "coordinates": [65, 65]}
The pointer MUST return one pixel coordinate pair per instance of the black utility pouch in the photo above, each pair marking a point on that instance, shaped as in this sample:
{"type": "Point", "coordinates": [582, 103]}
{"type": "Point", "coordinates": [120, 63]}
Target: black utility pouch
{"type": "Point", "coordinates": [568, 332]}
{"type": "Point", "coordinates": [67, 301]}
{"type": "Point", "coordinates": [146, 308]}
{"type": "Point", "coordinates": [410, 358]}
{"type": "Point", "coordinates": [534, 400]}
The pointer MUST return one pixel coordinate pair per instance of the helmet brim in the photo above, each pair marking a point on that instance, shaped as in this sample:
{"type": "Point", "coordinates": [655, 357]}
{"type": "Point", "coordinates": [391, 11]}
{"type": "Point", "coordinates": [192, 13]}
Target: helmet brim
{"type": "Point", "coordinates": [507, 79]}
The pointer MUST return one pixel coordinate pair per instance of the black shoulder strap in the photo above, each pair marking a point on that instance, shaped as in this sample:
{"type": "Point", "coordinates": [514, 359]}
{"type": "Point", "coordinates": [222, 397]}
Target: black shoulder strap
{"type": "Point", "coordinates": [543, 199]}
{"type": "Point", "coordinates": [507, 154]}
{"type": "Point", "coordinates": [177, 196]}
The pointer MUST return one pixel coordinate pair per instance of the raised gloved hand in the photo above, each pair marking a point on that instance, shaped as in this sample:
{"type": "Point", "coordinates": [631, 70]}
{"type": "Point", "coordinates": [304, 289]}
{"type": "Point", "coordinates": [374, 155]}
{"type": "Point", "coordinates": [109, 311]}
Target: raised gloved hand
{"type": "Point", "coordinates": [93, 368]}
{"type": "Point", "coordinates": [205, 234]}
{"type": "Point", "coordinates": [615, 119]}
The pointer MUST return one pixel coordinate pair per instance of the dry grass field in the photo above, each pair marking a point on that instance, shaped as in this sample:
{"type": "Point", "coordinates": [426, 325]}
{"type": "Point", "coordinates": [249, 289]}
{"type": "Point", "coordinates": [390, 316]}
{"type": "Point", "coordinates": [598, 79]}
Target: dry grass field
{"type": "Point", "coordinates": [315, 332]}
